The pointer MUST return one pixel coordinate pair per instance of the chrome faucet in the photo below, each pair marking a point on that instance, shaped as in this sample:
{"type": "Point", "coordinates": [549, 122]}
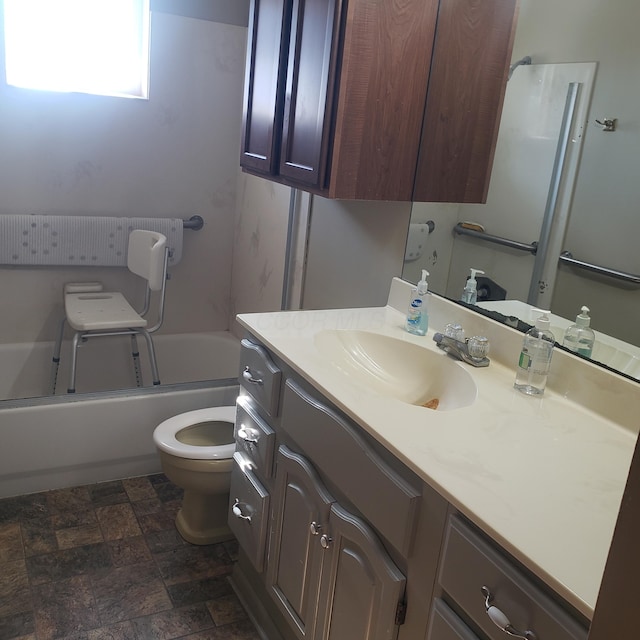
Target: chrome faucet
{"type": "Point", "coordinates": [473, 350]}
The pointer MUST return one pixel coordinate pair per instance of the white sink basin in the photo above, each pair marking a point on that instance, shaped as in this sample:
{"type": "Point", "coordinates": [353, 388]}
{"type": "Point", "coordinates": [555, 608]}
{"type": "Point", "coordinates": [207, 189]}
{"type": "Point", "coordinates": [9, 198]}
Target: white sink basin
{"type": "Point", "coordinates": [398, 369]}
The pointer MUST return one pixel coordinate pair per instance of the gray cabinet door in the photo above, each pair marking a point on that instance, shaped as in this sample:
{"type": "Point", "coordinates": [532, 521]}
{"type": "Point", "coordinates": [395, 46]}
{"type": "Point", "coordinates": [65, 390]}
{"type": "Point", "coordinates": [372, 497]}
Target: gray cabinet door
{"type": "Point", "coordinates": [300, 517]}
{"type": "Point", "coordinates": [361, 587]}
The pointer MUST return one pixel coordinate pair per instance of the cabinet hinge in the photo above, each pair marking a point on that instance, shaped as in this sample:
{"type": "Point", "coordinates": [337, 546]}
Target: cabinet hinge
{"type": "Point", "coordinates": [401, 613]}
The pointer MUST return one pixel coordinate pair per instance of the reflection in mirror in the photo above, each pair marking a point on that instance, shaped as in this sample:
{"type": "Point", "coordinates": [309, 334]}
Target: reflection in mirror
{"type": "Point", "coordinates": [563, 181]}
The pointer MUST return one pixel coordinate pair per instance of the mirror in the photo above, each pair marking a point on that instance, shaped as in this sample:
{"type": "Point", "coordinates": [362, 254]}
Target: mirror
{"type": "Point", "coordinates": [594, 217]}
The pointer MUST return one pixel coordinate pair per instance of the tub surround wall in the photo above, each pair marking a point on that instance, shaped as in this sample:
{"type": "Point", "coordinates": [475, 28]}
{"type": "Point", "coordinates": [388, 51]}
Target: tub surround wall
{"type": "Point", "coordinates": [236, 12]}
{"type": "Point", "coordinates": [175, 155]}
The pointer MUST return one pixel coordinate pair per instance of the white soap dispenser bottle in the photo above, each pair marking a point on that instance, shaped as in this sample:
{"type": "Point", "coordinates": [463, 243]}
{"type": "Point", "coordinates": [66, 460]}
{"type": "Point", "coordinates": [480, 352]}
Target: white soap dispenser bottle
{"type": "Point", "coordinates": [535, 357]}
{"type": "Point", "coordinates": [579, 337]}
{"type": "Point", "coordinates": [417, 314]}
{"type": "Point", "coordinates": [470, 291]}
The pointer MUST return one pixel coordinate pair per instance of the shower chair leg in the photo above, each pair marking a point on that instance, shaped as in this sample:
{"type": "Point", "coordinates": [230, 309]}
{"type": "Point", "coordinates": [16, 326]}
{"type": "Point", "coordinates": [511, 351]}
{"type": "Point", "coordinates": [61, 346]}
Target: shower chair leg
{"type": "Point", "coordinates": [135, 354]}
{"type": "Point", "coordinates": [152, 356]}
{"type": "Point", "coordinates": [55, 363]}
{"type": "Point", "coordinates": [75, 343]}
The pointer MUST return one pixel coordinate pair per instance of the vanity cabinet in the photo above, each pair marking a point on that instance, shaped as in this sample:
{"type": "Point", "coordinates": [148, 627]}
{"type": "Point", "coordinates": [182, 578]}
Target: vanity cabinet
{"type": "Point", "coordinates": [371, 100]}
{"type": "Point", "coordinates": [327, 571]}
{"type": "Point", "coordinates": [339, 540]}
{"type": "Point", "coordinates": [341, 520]}
{"type": "Point", "coordinates": [488, 591]}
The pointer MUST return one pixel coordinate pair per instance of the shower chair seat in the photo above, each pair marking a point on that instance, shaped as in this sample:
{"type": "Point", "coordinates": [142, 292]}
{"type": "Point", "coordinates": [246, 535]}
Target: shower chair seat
{"type": "Point", "coordinates": [92, 312]}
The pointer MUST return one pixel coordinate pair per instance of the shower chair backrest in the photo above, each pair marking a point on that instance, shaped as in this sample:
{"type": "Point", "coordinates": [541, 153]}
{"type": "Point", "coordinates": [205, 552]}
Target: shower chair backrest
{"type": "Point", "coordinates": [146, 256]}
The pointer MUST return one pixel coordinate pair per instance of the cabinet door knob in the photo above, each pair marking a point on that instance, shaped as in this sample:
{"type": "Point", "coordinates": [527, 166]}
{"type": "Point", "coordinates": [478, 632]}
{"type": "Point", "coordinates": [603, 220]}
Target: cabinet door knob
{"type": "Point", "coordinates": [248, 376]}
{"type": "Point", "coordinates": [315, 528]}
{"type": "Point", "coordinates": [325, 541]}
{"type": "Point", "coordinates": [501, 620]}
{"type": "Point", "coordinates": [237, 511]}
{"type": "Point", "coordinates": [248, 435]}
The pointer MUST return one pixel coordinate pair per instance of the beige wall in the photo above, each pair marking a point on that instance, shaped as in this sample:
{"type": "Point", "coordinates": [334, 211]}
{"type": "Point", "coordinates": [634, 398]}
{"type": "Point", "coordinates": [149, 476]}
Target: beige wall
{"type": "Point", "coordinates": [259, 246]}
{"type": "Point", "coordinates": [354, 250]}
{"type": "Point", "coordinates": [174, 155]}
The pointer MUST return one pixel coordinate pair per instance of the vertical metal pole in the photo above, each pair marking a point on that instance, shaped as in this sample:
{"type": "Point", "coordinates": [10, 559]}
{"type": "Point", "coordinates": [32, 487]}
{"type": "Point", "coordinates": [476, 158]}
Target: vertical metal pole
{"type": "Point", "coordinates": [554, 189]}
{"type": "Point", "coordinates": [287, 279]}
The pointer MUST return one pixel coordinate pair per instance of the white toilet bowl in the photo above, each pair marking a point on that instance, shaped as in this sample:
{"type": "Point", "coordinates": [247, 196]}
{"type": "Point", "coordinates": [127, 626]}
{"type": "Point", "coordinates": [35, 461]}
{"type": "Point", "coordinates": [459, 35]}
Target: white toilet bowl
{"type": "Point", "coordinates": [196, 452]}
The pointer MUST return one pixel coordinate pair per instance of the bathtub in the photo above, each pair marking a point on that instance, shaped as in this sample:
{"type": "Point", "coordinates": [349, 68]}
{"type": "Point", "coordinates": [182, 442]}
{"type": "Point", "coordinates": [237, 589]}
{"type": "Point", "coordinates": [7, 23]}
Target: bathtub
{"type": "Point", "coordinates": [101, 433]}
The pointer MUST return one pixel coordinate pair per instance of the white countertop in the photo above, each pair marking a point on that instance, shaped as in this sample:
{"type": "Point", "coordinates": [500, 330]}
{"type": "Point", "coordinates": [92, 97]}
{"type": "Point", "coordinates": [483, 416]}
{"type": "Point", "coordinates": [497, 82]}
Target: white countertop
{"type": "Point", "coordinates": [543, 476]}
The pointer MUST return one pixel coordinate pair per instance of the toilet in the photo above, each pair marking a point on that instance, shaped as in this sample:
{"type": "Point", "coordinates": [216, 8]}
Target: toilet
{"type": "Point", "coordinates": [196, 452]}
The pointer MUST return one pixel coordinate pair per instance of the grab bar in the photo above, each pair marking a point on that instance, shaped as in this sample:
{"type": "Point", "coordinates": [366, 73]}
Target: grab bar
{"type": "Point", "coordinates": [195, 223]}
{"type": "Point", "coordinates": [567, 258]}
{"type": "Point", "coordinates": [487, 237]}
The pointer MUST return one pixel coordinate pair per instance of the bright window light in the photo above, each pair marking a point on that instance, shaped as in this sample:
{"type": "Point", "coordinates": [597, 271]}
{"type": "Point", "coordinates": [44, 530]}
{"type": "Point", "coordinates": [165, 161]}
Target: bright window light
{"type": "Point", "coordinates": [83, 46]}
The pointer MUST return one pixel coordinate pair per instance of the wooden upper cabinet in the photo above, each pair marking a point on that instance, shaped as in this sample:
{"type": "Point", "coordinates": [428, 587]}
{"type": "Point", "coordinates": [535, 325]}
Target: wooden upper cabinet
{"type": "Point", "coordinates": [367, 100]}
{"type": "Point", "coordinates": [468, 80]}
{"type": "Point", "coordinates": [308, 92]}
{"type": "Point", "coordinates": [268, 43]}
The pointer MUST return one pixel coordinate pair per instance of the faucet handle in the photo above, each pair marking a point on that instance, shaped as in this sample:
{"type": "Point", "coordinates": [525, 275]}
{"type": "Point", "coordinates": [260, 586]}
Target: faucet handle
{"type": "Point", "coordinates": [455, 331]}
{"type": "Point", "coordinates": [478, 347]}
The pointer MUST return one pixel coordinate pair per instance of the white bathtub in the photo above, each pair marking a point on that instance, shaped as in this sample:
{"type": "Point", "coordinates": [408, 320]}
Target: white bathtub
{"type": "Point", "coordinates": [105, 364]}
{"type": "Point", "coordinates": [70, 440]}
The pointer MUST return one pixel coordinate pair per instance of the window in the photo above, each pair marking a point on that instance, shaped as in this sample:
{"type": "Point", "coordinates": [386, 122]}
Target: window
{"type": "Point", "coordinates": [84, 46]}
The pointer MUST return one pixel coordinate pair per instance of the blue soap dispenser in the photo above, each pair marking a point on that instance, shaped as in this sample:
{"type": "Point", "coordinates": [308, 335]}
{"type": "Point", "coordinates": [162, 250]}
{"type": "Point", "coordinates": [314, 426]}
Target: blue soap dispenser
{"type": "Point", "coordinates": [418, 315]}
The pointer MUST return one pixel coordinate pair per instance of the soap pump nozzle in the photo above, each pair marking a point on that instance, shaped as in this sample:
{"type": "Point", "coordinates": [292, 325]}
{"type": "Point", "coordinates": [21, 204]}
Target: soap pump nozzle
{"type": "Point", "coordinates": [543, 323]}
{"type": "Point", "coordinates": [583, 319]}
{"type": "Point", "coordinates": [422, 285]}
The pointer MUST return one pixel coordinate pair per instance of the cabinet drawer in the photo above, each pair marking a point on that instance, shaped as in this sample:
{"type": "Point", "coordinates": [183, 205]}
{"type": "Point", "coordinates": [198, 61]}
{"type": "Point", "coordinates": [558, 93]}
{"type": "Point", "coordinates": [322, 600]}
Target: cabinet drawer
{"type": "Point", "coordinates": [445, 625]}
{"type": "Point", "coordinates": [383, 497]}
{"type": "Point", "coordinates": [254, 437]}
{"type": "Point", "coordinates": [259, 376]}
{"type": "Point", "coordinates": [470, 563]}
{"type": "Point", "coordinates": [249, 510]}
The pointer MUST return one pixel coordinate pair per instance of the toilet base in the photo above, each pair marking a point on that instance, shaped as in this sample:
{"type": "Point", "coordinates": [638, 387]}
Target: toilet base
{"type": "Point", "coordinates": [203, 518]}
{"type": "Point", "coordinates": [211, 536]}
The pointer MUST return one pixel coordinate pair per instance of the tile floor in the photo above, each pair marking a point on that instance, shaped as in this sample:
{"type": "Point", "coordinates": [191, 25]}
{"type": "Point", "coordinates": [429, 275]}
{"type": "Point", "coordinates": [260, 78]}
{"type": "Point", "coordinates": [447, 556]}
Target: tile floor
{"type": "Point", "coordinates": [105, 561]}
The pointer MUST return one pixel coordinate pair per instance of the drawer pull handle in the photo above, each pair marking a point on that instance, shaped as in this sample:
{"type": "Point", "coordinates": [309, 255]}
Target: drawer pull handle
{"type": "Point", "coordinates": [237, 511]}
{"type": "Point", "coordinates": [248, 376]}
{"type": "Point", "coordinates": [315, 528]}
{"type": "Point", "coordinates": [500, 619]}
{"type": "Point", "coordinates": [248, 435]}
{"type": "Point", "coordinates": [325, 541]}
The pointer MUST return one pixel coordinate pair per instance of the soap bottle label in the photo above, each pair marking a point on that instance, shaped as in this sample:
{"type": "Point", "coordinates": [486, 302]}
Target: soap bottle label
{"type": "Point", "coordinates": [415, 309]}
{"type": "Point", "coordinates": [525, 360]}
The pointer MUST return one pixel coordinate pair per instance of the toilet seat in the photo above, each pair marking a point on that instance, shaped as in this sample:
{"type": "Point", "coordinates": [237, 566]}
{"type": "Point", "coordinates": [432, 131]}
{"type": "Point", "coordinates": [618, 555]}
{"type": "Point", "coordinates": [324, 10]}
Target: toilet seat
{"type": "Point", "coordinates": [165, 439]}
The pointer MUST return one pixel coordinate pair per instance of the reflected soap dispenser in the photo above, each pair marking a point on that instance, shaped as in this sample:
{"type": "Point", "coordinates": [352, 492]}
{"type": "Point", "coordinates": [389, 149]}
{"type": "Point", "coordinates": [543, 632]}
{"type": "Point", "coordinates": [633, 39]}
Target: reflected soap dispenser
{"type": "Point", "coordinates": [417, 314]}
{"type": "Point", "coordinates": [470, 291]}
{"type": "Point", "coordinates": [579, 337]}
{"type": "Point", "coordinates": [535, 357]}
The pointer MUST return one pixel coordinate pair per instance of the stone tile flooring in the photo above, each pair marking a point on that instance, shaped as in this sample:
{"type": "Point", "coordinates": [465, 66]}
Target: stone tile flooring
{"type": "Point", "coordinates": [105, 562]}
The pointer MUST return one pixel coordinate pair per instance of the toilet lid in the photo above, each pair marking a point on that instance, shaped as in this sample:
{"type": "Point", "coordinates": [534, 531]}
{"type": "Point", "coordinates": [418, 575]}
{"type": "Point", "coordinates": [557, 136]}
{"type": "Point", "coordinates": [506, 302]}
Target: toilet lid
{"type": "Point", "coordinates": [165, 439]}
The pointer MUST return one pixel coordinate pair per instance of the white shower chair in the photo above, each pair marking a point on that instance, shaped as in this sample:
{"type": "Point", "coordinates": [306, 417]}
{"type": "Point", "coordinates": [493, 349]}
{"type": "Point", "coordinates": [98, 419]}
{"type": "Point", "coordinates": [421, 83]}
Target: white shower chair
{"type": "Point", "coordinates": [94, 313]}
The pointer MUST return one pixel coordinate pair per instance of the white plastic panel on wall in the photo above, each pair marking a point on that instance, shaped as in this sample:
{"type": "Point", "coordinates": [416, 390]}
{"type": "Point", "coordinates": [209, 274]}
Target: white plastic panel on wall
{"type": "Point", "coordinates": [172, 156]}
